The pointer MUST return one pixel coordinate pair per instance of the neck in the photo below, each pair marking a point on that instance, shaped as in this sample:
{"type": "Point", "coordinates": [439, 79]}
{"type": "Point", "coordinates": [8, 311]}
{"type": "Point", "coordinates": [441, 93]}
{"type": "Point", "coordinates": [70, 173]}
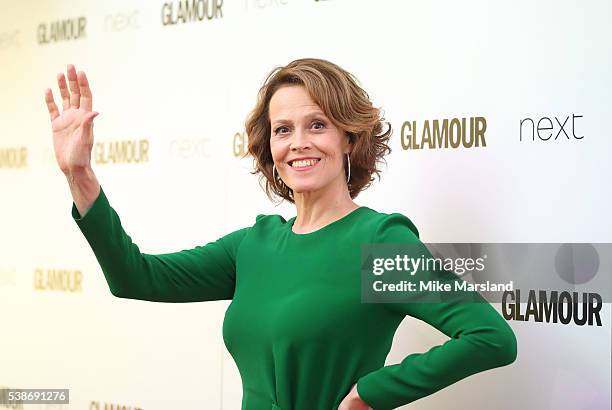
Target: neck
{"type": "Point", "coordinates": [315, 209]}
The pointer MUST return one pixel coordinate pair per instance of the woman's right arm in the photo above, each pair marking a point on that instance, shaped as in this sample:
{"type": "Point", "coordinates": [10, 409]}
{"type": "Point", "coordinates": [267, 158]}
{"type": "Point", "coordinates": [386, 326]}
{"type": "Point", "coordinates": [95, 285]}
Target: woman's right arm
{"type": "Point", "coordinates": [202, 273]}
{"type": "Point", "coordinates": [199, 274]}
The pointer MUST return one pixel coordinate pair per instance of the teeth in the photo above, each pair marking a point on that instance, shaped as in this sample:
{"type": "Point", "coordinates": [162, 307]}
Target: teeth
{"type": "Point", "coordinates": [304, 163]}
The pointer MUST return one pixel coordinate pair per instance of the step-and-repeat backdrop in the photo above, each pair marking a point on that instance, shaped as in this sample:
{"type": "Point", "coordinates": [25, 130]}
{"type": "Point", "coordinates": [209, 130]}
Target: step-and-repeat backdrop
{"type": "Point", "coordinates": [173, 82]}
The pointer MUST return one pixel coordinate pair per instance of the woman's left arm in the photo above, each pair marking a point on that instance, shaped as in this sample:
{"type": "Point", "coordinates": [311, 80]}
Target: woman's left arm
{"type": "Point", "coordinates": [480, 339]}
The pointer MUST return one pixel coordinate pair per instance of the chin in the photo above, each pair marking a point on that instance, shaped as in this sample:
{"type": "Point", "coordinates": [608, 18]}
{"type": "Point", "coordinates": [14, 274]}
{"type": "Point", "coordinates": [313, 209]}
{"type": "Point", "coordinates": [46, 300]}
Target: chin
{"type": "Point", "coordinates": [303, 188]}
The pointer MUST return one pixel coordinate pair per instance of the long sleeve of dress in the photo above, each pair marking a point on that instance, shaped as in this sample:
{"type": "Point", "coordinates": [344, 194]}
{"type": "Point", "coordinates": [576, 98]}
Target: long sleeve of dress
{"type": "Point", "coordinates": [480, 338]}
{"type": "Point", "coordinates": [203, 273]}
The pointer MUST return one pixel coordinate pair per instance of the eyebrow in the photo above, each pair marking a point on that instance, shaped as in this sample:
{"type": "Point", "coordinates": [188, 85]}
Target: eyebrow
{"type": "Point", "coordinates": [309, 115]}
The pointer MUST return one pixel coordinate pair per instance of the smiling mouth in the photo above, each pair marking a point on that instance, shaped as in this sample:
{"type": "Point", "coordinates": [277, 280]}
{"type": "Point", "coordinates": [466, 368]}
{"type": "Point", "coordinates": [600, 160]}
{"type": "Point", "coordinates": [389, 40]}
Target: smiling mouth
{"type": "Point", "coordinates": [304, 164]}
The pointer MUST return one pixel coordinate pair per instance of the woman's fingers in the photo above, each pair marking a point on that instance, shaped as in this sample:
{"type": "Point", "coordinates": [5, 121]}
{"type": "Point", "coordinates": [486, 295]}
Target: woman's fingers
{"type": "Point", "coordinates": [86, 99]}
{"type": "Point", "coordinates": [63, 87]}
{"type": "Point", "coordinates": [79, 95]}
{"type": "Point", "coordinates": [53, 111]}
{"type": "Point", "coordinates": [75, 94]}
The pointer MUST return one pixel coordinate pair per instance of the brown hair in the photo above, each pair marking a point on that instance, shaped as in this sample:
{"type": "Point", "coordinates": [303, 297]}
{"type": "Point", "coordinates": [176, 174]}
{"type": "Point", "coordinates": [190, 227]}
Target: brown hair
{"type": "Point", "coordinates": [343, 101]}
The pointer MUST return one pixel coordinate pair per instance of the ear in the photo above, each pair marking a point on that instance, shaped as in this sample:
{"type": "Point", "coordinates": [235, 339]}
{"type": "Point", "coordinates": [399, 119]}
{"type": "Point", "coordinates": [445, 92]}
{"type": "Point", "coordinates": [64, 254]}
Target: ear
{"type": "Point", "coordinates": [349, 145]}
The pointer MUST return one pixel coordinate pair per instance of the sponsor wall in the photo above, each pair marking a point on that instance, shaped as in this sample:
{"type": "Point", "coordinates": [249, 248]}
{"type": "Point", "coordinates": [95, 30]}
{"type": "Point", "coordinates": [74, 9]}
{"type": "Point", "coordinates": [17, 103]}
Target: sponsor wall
{"type": "Point", "coordinates": [499, 113]}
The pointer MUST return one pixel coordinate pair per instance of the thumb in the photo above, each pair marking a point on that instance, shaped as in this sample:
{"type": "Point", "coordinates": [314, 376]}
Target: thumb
{"type": "Point", "coordinates": [88, 121]}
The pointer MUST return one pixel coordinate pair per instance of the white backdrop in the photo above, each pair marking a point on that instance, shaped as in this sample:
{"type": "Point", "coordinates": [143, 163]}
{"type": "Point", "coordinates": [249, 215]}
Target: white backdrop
{"type": "Point", "coordinates": [185, 90]}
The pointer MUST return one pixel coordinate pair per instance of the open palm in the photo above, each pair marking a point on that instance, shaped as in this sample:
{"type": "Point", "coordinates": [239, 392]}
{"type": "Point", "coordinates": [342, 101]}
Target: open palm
{"type": "Point", "coordinates": [73, 128]}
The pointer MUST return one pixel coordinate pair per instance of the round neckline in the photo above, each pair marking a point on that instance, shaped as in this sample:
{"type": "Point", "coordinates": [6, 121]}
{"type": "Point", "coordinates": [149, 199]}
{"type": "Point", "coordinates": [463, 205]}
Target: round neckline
{"type": "Point", "coordinates": [325, 227]}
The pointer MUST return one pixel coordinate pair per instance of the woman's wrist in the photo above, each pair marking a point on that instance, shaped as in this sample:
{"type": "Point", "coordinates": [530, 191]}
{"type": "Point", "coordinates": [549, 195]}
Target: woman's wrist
{"type": "Point", "coordinates": [84, 187]}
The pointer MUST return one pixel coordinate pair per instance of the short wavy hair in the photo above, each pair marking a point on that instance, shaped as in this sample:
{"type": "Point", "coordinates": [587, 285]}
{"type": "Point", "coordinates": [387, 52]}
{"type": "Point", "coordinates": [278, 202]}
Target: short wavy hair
{"type": "Point", "coordinates": [339, 95]}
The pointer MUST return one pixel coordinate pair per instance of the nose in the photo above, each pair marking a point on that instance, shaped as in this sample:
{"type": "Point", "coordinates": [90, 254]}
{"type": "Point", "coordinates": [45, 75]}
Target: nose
{"type": "Point", "coordinates": [299, 140]}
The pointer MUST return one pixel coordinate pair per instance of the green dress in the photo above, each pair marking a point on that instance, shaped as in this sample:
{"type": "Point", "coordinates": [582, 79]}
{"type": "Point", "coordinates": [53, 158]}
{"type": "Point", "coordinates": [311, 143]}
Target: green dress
{"type": "Point", "coordinates": [296, 326]}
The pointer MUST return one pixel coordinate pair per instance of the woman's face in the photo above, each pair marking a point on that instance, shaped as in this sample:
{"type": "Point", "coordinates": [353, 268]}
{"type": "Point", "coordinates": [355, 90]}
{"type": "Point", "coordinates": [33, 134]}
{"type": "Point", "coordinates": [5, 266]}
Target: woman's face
{"type": "Point", "coordinates": [307, 148]}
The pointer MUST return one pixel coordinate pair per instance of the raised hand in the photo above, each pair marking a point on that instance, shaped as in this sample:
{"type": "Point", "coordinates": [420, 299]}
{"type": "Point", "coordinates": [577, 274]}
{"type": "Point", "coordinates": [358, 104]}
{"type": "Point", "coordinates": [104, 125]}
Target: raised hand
{"type": "Point", "coordinates": [73, 127]}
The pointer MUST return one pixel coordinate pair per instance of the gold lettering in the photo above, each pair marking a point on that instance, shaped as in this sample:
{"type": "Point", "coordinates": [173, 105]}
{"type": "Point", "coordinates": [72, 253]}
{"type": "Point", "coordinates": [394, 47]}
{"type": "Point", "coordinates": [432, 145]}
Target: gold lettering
{"type": "Point", "coordinates": [480, 128]}
{"type": "Point", "coordinates": [405, 136]}
{"type": "Point", "coordinates": [440, 135]}
{"type": "Point", "coordinates": [426, 139]}
{"type": "Point", "coordinates": [14, 157]}
{"type": "Point", "coordinates": [58, 280]}
{"type": "Point", "coordinates": [239, 144]}
{"type": "Point", "coordinates": [437, 133]}
{"type": "Point", "coordinates": [454, 133]}
{"type": "Point", "coordinates": [125, 151]}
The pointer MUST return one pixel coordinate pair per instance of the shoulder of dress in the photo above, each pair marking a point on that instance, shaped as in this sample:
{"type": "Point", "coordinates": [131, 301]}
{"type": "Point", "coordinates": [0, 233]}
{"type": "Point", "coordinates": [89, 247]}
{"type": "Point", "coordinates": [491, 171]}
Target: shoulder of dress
{"type": "Point", "coordinates": [385, 221]}
{"type": "Point", "coordinates": [269, 220]}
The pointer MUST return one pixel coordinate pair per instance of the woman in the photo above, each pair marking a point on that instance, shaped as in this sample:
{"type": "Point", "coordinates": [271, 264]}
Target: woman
{"type": "Point", "coordinates": [296, 326]}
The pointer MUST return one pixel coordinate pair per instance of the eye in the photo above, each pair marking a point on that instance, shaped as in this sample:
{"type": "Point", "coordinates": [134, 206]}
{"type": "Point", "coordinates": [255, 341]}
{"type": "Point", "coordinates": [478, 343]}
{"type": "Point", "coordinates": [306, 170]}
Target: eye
{"type": "Point", "coordinates": [319, 123]}
{"type": "Point", "coordinates": [280, 130]}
